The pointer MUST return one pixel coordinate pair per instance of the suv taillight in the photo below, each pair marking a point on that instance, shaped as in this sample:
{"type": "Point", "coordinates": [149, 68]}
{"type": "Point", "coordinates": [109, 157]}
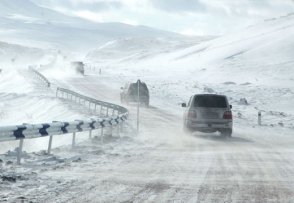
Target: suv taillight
{"type": "Point", "coordinates": [228, 115]}
{"type": "Point", "coordinates": [191, 114]}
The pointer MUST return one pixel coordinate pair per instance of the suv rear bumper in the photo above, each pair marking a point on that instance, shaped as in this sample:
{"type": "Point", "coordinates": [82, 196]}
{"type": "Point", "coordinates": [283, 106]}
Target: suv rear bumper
{"type": "Point", "coordinates": [135, 98]}
{"type": "Point", "coordinates": [209, 127]}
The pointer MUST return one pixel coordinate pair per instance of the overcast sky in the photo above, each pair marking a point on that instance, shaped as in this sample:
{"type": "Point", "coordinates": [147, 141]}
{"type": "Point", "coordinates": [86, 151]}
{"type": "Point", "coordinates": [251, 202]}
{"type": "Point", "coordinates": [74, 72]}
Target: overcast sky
{"type": "Point", "coordinates": [193, 17]}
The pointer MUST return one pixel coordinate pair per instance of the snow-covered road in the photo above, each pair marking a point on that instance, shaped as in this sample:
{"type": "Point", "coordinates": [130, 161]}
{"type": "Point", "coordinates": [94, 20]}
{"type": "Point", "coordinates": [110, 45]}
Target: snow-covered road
{"type": "Point", "coordinates": [161, 164]}
{"type": "Point", "coordinates": [203, 169]}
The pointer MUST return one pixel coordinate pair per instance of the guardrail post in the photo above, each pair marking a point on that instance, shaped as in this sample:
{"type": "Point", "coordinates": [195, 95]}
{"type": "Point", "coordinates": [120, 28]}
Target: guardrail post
{"type": "Point", "coordinates": [73, 140]}
{"type": "Point", "coordinates": [95, 107]}
{"type": "Point", "coordinates": [50, 145]}
{"type": "Point", "coordinates": [107, 111]}
{"type": "Point", "coordinates": [121, 126]}
{"type": "Point", "coordinates": [118, 129]}
{"type": "Point", "coordinates": [90, 134]}
{"type": "Point", "coordinates": [259, 118]}
{"type": "Point", "coordinates": [100, 109]}
{"type": "Point", "coordinates": [101, 138]}
{"type": "Point", "coordinates": [19, 151]}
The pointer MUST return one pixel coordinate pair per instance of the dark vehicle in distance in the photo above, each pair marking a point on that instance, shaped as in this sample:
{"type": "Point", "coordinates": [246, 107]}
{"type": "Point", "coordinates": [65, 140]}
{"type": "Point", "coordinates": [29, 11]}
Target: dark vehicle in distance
{"type": "Point", "coordinates": [130, 93]}
{"type": "Point", "coordinates": [208, 113]}
{"type": "Point", "coordinates": [78, 66]}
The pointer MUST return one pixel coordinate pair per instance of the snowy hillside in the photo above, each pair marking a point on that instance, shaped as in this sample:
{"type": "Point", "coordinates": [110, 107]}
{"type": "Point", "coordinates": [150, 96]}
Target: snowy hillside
{"type": "Point", "coordinates": [259, 47]}
{"type": "Point", "coordinates": [26, 23]}
{"type": "Point", "coordinates": [27, 11]}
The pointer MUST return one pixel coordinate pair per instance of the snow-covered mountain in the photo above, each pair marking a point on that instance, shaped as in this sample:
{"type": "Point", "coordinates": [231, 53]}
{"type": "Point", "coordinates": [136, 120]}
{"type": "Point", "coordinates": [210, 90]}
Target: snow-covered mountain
{"type": "Point", "coordinates": [24, 22]}
{"type": "Point", "coordinates": [15, 9]}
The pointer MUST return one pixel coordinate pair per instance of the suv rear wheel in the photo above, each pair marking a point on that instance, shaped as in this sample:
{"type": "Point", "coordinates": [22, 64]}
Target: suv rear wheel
{"type": "Point", "coordinates": [226, 133]}
{"type": "Point", "coordinates": [187, 129]}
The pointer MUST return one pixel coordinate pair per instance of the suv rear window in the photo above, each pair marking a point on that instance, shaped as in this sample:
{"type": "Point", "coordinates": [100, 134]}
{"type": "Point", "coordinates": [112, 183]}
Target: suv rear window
{"type": "Point", "coordinates": [210, 101]}
{"type": "Point", "coordinates": [143, 89]}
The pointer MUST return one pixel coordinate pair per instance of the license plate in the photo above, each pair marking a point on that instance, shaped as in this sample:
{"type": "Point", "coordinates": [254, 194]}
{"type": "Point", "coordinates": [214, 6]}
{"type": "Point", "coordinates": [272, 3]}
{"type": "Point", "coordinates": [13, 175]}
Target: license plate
{"type": "Point", "coordinates": [209, 114]}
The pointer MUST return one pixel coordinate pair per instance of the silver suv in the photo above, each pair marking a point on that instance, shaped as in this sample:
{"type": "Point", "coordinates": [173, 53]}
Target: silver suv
{"type": "Point", "coordinates": [208, 113]}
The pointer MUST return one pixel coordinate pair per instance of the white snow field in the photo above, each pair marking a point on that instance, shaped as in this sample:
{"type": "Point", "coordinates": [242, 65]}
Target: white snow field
{"type": "Point", "coordinates": [159, 163]}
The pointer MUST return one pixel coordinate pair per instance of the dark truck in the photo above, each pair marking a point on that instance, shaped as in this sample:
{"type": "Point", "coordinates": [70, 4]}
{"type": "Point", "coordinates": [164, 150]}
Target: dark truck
{"type": "Point", "coordinates": [78, 66]}
{"type": "Point", "coordinates": [130, 93]}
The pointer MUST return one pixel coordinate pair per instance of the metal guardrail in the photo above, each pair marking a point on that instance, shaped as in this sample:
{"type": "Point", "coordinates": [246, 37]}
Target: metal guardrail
{"type": "Point", "coordinates": [92, 103]}
{"type": "Point", "coordinates": [29, 131]}
{"type": "Point", "coordinates": [41, 77]}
